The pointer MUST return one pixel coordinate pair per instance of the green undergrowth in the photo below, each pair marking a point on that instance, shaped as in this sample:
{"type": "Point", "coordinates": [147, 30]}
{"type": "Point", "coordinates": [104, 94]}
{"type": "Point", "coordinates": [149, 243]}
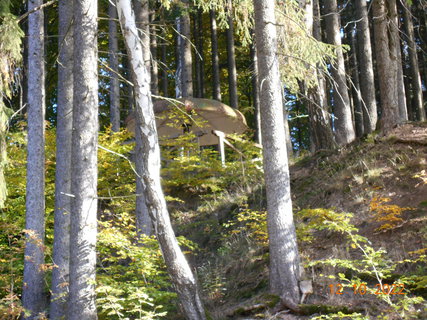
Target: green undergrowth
{"type": "Point", "coordinates": [337, 248]}
{"type": "Point", "coordinates": [354, 233]}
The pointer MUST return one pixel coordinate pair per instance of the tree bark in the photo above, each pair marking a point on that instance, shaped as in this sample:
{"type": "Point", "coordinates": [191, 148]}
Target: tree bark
{"type": "Point", "coordinates": [33, 293]}
{"type": "Point", "coordinates": [343, 123]}
{"type": "Point", "coordinates": [164, 64]}
{"type": "Point", "coordinates": [199, 57]}
{"type": "Point", "coordinates": [231, 59]}
{"type": "Point", "coordinates": [284, 257]}
{"type": "Point", "coordinates": [143, 221]}
{"type": "Point", "coordinates": [386, 41]}
{"type": "Point", "coordinates": [185, 52]}
{"type": "Point", "coordinates": [255, 92]}
{"type": "Point", "coordinates": [216, 85]}
{"type": "Point", "coordinates": [366, 68]}
{"type": "Point", "coordinates": [355, 88]}
{"type": "Point", "coordinates": [113, 49]}
{"type": "Point", "coordinates": [403, 109]}
{"type": "Point", "coordinates": [61, 243]}
{"type": "Point", "coordinates": [142, 16]}
{"type": "Point", "coordinates": [417, 92]}
{"type": "Point", "coordinates": [154, 64]}
{"type": "Point", "coordinates": [178, 268]}
{"type": "Point", "coordinates": [321, 135]}
{"type": "Point", "coordinates": [84, 163]}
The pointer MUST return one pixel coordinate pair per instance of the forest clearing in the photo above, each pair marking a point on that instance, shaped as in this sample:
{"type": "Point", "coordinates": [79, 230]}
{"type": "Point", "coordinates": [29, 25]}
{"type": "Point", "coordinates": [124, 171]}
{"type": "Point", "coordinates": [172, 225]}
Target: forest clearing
{"type": "Point", "coordinates": [208, 160]}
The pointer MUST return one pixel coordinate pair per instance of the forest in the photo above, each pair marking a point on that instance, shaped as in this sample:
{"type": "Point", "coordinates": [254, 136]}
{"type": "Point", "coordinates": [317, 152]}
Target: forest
{"type": "Point", "coordinates": [209, 160]}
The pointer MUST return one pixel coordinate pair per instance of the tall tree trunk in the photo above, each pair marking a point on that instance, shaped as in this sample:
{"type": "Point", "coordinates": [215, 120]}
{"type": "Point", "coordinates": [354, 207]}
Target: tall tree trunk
{"type": "Point", "coordinates": [344, 130]}
{"type": "Point", "coordinates": [61, 243]}
{"type": "Point", "coordinates": [366, 68]}
{"type": "Point", "coordinates": [284, 257]}
{"type": "Point", "coordinates": [321, 135]}
{"type": "Point", "coordinates": [33, 293]}
{"type": "Point", "coordinates": [142, 16]}
{"type": "Point", "coordinates": [84, 203]}
{"type": "Point", "coordinates": [199, 57]}
{"type": "Point", "coordinates": [179, 53]}
{"type": "Point", "coordinates": [320, 121]}
{"type": "Point", "coordinates": [113, 48]}
{"type": "Point", "coordinates": [231, 59]}
{"type": "Point", "coordinates": [164, 62]}
{"type": "Point", "coordinates": [144, 225]}
{"type": "Point", "coordinates": [154, 64]}
{"type": "Point", "coordinates": [255, 93]}
{"type": "Point", "coordinates": [143, 221]}
{"type": "Point", "coordinates": [403, 109]}
{"type": "Point", "coordinates": [407, 81]}
{"type": "Point", "coordinates": [185, 52]}
{"type": "Point", "coordinates": [178, 268]}
{"type": "Point", "coordinates": [386, 42]}
{"type": "Point", "coordinates": [422, 36]}
{"type": "Point", "coordinates": [355, 87]}
{"type": "Point", "coordinates": [216, 85]}
{"type": "Point", "coordinates": [417, 92]}
{"type": "Point", "coordinates": [128, 87]}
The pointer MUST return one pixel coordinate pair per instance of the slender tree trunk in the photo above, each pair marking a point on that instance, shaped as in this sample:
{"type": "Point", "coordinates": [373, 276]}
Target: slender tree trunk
{"type": "Point", "coordinates": [179, 52]}
{"type": "Point", "coordinates": [417, 92]}
{"type": "Point", "coordinates": [113, 48]}
{"type": "Point", "coordinates": [143, 221]}
{"type": "Point", "coordinates": [255, 93]}
{"type": "Point", "coordinates": [128, 88]}
{"type": "Point", "coordinates": [344, 130]}
{"type": "Point", "coordinates": [199, 60]}
{"type": "Point", "coordinates": [178, 268]}
{"type": "Point", "coordinates": [321, 134]}
{"type": "Point", "coordinates": [407, 81]}
{"type": "Point", "coordinates": [164, 64]}
{"type": "Point", "coordinates": [366, 68]}
{"type": "Point", "coordinates": [231, 59]}
{"type": "Point", "coordinates": [216, 85]}
{"type": "Point", "coordinates": [165, 81]}
{"type": "Point", "coordinates": [422, 37]}
{"type": "Point", "coordinates": [154, 64]}
{"type": "Point", "coordinates": [142, 15]}
{"type": "Point", "coordinates": [200, 48]}
{"type": "Point", "coordinates": [185, 52]}
{"type": "Point", "coordinates": [355, 87]}
{"type": "Point", "coordinates": [84, 203]}
{"type": "Point", "coordinates": [144, 224]}
{"type": "Point", "coordinates": [386, 41]}
{"type": "Point", "coordinates": [284, 257]}
{"type": "Point", "coordinates": [403, 109]}
{"type": "Point", "coordinates": [33, 293]}
{"type": "Point", "coordinates": [61, 243]}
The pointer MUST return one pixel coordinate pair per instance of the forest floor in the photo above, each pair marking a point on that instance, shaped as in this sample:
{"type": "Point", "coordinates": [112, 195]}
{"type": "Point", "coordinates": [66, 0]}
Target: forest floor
{"type": "Point", "coordinates": [382, 181]}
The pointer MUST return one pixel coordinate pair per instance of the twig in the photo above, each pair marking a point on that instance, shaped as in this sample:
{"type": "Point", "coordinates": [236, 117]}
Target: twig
{"type": "Point", "coordinates": [36, 9]}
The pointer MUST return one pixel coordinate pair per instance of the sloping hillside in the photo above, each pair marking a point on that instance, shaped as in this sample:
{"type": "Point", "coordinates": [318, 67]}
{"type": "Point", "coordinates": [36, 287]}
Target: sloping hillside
{"type": "Point", "coordinates": [382, 182]}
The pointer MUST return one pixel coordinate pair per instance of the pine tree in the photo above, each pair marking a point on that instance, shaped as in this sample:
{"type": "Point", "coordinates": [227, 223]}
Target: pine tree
{"type": "Point", "coordinates": [84, 203]}
{"type": "Point", "coordinates": [33, 293]}
{"type": "Point", "coordinates": [61, 244]}
{"type": "Point", "coordinates": [284, 257]}
{"type": "Point", "coordinates": [343, 123]}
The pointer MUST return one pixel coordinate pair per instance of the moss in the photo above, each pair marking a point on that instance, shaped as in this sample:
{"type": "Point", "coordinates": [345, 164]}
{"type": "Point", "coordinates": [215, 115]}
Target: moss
{"type": "Point", "coordinates": [271, 300]}
{"type": "Point", "coordinates": [309, 309]}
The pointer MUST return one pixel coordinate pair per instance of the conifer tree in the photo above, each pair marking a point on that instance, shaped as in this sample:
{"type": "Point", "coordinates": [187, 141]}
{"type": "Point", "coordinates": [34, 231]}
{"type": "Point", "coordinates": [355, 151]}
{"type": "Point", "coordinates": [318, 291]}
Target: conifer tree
{"type": "Point", "coordinates": [284, 257]}
{"type": "Point", "coordinates": [33, 293]}
{"type": "Point", "coordinates": [84, 203]}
